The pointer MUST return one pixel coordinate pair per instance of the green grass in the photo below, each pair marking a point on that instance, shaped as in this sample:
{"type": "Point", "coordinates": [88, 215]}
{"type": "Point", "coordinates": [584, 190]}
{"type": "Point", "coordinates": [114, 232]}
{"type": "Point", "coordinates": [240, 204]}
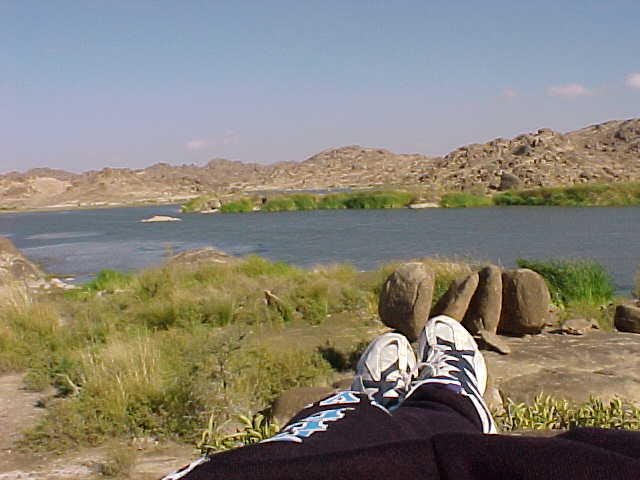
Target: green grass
{"type": "Point", "coordinates": [462, 200]}
{"type": "Point", "coordinates": [617, 194]}
{"type": "Point", "coordinates": [167, 351]}
{"type": "Point", "coordinates": [243, 205]}
{"type": "Point", "coordinates": [547, 413]}
{"type": "Point", "coordinates": [574, 281]}
{"type": "Point", "coordinates": [286, 203]}
{"type": "Point", "coordinates": [197, 204]}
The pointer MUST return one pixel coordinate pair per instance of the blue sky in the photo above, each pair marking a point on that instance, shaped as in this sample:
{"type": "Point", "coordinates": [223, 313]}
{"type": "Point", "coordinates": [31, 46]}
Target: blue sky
{"type": "Point", "coordinates": [89, 84]}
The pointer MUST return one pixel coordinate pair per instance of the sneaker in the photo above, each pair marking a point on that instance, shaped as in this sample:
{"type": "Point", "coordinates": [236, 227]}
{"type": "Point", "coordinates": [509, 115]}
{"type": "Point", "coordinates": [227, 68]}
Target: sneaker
{"type": "Point", "coordinates": [385, 370]}
{"type": "Point", "coordinates": [450, 357]}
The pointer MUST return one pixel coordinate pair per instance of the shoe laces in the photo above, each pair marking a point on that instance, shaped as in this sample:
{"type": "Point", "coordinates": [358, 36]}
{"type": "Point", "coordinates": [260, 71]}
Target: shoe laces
{"type": "Point", "coordinates": [447, 362]}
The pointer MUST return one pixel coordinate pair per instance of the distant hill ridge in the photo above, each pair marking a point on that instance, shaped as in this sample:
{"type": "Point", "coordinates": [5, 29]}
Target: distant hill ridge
{"type": "Point", "coordinates": [604, 153]}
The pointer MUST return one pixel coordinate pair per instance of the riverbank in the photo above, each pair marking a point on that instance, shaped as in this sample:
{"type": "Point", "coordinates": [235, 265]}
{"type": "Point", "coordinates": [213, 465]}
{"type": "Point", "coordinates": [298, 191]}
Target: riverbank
{"type": "Point", "coordinates": [599, 195]}
{"type": "Point", "coordinates": [165, 352]}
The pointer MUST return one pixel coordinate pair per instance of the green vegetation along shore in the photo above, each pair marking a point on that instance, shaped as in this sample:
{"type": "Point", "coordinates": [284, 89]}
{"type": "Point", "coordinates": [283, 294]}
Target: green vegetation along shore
{"type": "Point", "coordinates": [174, 351]}
{"type": "Point", "coordinates": [609, 195]}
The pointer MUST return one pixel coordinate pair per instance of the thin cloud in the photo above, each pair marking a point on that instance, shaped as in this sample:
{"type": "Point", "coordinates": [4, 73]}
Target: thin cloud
{"type": "Point", "coordinates": [633, 80]}
{"type": "Point", "coordinates": [229, 137]}
{"type": "Point", "coordinates": [510, 93]}
{"type": "Point", "coordinates": [572, 90]}
{"type": "Point", "coordinates": [196, 144]}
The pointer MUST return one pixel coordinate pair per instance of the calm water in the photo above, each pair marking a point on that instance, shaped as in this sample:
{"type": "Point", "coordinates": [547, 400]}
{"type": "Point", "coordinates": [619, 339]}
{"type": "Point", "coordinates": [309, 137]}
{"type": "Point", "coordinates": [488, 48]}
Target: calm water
{"type": "Point", "coordinates": [81, 243]}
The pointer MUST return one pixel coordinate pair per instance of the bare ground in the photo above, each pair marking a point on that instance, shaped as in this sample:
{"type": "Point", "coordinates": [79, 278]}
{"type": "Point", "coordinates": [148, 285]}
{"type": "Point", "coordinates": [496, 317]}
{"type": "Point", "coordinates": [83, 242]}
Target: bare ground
{"type": "Point", "coordinates": [19, 410]}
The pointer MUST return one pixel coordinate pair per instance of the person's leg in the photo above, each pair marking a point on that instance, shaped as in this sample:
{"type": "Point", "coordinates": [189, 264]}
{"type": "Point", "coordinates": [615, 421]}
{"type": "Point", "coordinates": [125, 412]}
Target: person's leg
{"type": "Point", "coordinates": [369, 429]}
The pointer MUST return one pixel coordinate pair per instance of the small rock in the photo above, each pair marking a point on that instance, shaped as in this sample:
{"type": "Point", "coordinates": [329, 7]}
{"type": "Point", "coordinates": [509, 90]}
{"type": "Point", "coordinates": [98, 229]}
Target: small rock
{"type": "Point", "coordinates": [160, 218]}
{"type": "Point", "coordinates": [290, 402]}
{"type": "Point", "coordinates": [455, 302]}
{"type": "Point", "coordinates": [494, 341]}
{"type": "Point", "coordinates": [405, 299]}
{"type": "Point", "coordinates": [627, 318]}
{"type": "Point", "coordinates": [577, 326]}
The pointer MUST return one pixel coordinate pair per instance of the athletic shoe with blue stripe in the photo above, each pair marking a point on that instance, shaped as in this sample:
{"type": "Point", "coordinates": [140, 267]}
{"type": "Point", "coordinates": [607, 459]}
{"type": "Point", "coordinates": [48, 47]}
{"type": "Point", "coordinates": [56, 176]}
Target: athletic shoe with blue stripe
{"type": "Point", "coordinates": [385, 370]}
{"type": "Point", "coordinates": [449, 356]}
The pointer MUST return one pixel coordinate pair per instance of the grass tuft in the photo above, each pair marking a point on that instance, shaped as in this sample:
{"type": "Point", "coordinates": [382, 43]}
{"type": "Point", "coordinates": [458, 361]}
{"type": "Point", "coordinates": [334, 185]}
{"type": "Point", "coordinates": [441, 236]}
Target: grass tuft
{"type": "Point", "coordinates": [574, 281]}
{"type": "Point", "coordinates": [463, 200]}
{"type": "Point", "coordinates": [548, 413]}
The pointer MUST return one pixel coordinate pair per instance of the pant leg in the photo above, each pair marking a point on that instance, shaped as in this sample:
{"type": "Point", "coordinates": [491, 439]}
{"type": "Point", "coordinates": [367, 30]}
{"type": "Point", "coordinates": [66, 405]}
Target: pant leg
{"type": "Point", "coordinates": [499, 457]}
{"type": "Point", "coordinates": [347, 435]}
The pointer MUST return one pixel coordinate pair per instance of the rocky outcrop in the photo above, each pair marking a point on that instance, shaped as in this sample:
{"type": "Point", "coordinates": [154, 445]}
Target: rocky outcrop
{"type": "Point", "coordinates": [525, 302]}
{"type": "Point", "coordinates": [627, 318]}
{"type": "Point", "coordinates": [604, 365]}
{"type": "Point", "coordinates": [405, 299]}
{"type": "Point", "coordinates": [603, 153]}
{"type": "Point", "coordinates": [200, 256]}
{"type": "Point", "coordinates": [15, 267]}
{"type": "Point", "coordinates": [455, 302]}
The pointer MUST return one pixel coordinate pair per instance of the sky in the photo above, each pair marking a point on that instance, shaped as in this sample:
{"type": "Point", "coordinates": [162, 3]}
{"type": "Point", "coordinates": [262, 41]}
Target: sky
{"type": "Point", "coordinates": [88, 84]}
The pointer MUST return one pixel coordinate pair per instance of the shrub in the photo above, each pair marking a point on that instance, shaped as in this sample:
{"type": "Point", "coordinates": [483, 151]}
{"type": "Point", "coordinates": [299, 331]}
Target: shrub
{"type": "Point", "coordinates": [618, 194]}
{"type": "Point", "coordinates": [333, 201]}
{"type": "Point", "coordinates": [377, 200]}
{"type": "Point", "coordinates": [574, 280]}
{"type": "Point", "coordinates": [279, 204]}
{"type": "Point", "coordinates": [547, 413]}
{"type": "Point", "coordinates": [243, 205]}
{"type": "Point", "coordinates": [463, 200]}
{"type": "Point", "coordinates": [304, 201]}
{"type": "Point", "coordinates": [197, 204]}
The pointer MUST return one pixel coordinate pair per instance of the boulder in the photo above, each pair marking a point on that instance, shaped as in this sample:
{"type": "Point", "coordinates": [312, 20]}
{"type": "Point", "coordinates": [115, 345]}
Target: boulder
{"type": "Point", "coordinates": [602, 364]}
{"type": "Point", "coordinates": [15, 267]}
{"type": "Point", "coordinates": [290, 402]}
{"type": "Point", "coordinates": [508, 181]}
{"type": "Point", "coordinates": [455, 302]}
{"type": "Point", "coordinates": [486, 304]}
{"type": "Point", "coordinates": [405, 299]}
{"type": "Point", "coordinates": [200, 256]}
{"type": "Point", "coordinates": [627, 318]}
{"type": "Point", "coordinates": [525, 302]}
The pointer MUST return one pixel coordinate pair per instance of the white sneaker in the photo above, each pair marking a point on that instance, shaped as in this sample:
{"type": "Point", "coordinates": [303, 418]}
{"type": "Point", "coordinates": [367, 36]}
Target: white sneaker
{"type": "Point", "coordinates": [385, 370]}
{"type": "Point", "coordinates": [449, 356]}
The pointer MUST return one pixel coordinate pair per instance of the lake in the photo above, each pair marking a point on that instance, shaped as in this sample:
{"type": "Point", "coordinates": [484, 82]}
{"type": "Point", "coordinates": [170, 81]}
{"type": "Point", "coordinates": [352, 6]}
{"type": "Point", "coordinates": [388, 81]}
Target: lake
{"type": "Point", "coordinates": [82, 242]}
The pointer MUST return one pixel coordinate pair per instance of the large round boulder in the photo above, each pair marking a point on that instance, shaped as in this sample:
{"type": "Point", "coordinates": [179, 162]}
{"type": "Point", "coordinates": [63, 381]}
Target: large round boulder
{"type": "Point", "coordinates": [405, 299]}
{"type": "Point", "coordinates": [486, 304]}
{"type": "Point", "coordinates": [290, 402]}
{"type": "Point", "coordinates": [455, 302]}
{"type": "Point", "coordinates": [627, 318]}
{"type": "Point", "coordinates": [525, 302]}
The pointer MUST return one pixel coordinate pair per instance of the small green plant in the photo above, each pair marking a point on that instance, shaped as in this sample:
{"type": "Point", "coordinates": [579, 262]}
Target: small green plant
{"type": "Point", "coordinates": [118, 462]}
{"type": "Point", "coordinates": [252, 429]}
{"type": "Point", "coordinates": [636, 290]}
{"type": "Point", "coordinates": [571, 281]}
{"type": "Point", "coordinates": [548, 413]}
{"type": "Point", "coordinates": [463, 200]}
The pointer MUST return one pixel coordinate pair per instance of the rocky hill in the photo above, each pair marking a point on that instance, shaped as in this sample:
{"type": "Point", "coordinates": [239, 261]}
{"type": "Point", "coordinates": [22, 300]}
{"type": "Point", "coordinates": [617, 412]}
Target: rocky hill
{"type": "Point", "coordinates": [603, 153]}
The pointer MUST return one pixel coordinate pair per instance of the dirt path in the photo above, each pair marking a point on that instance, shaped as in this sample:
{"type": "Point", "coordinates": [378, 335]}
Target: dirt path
{"type": "Point", "coordinates": [19, 410]}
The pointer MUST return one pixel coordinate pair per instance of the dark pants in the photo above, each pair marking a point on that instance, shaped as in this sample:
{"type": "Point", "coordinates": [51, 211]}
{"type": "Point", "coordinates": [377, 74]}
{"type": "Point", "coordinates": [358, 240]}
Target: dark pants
{"type": "Point", "coordinates": [436, 434]}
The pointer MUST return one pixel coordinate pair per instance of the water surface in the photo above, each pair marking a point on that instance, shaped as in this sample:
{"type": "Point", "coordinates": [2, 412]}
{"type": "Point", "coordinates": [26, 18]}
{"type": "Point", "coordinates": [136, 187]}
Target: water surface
{"type": "Point", "coordinates": [83, 242]}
